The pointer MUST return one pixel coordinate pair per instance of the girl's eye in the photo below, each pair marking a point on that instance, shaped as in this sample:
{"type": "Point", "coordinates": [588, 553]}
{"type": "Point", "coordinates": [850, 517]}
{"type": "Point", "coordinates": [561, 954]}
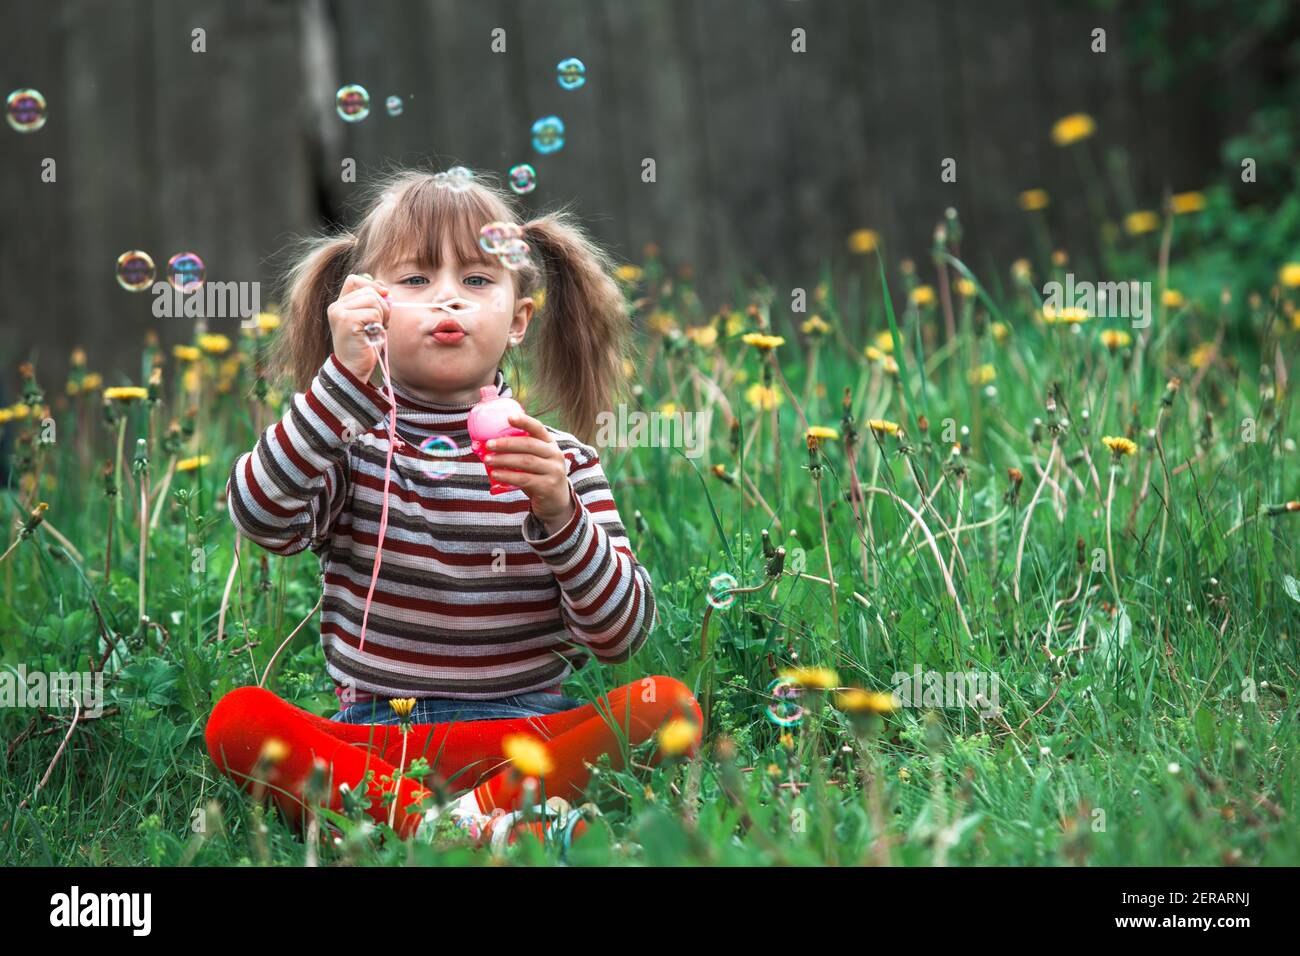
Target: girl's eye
{"type": "Point", "coordinates": [414, 280]}
{"type": "Point", "coordinates": [485, 280]}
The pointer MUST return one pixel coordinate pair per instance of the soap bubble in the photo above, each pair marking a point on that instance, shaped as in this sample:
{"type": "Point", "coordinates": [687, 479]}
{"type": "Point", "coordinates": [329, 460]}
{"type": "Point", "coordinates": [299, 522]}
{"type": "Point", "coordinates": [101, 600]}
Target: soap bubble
{"type": "Point", "coordinates": [523, 178]}
{"type": "Point", "coordinates": [718, 586]}
{"type": "Point", "coordinates": [352, 102]}
{"type": "Point", "coordinates": [783, 711]}
{"type": "Point", "coordinates": [457, 179]}
{"type": "Point", "coordinates": [394, 105]}
{"type": "Point", "coordinates": [442, 452]}
{"type": "Point", "coordinates": [514, 254]}
{"type": "Point", "coordinates": [374, 333]}
{"type": "Point", "coordinates": [493, 237]}
{"type": "Point", "coordinates": [571, 73]}
{"type": "Point", "coordinates": [135, 270]}
{"type": "Point", "coordinates": [548, 134]}
{"type": "Point", "coordinates": [25, 110]}
{"type": "Point", "coordinates": [185, 271]}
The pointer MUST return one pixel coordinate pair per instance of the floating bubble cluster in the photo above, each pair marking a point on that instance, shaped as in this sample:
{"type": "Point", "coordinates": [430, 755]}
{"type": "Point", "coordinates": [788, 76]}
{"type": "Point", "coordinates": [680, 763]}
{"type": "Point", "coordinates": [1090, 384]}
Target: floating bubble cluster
{"type": "Point", "coordinates": [442, 452]}
{"type": "Point", "coordinates": [571, 73]}
{"type": "Point", "coordinates": [783, 711]}
{"type": "Point", "coordinates": [457, 179]}
{"type": "Point", "coordinates": [135, 270]}
{"type": "Point", "coordinates": [25, 110]}
{"type": "Point", "coordinates": [523, 178]}
{"type": "Point", "coordinates": [185, 271]}
{"type": "Point", "coordinates": [505, 240]}
{"type": "Point", "coordinates": [352, 102]}
{"type": "Point", "coordinates": [719, 585]}
{"type": "Point", "coordinates": [394, 105]}
{"type": "Point", "coordinates": [548, 134]}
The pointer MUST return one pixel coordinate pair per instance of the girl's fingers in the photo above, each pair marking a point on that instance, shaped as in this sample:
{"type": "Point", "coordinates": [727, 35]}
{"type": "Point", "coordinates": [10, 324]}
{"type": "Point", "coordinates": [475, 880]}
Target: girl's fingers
{"type": "Point", "coordinates": [522, 444]}
{"type": "Point", "coordinates": [529, 463]}
{"type": "Point", "coordinates": [520, 479]}
{"type": "Point", "coordinates": [532, 426]}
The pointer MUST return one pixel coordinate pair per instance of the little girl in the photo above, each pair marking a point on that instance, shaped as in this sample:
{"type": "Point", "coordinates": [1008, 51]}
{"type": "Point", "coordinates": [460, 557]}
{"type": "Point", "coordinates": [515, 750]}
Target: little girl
{"type": "Point", "coordinates": [482, 603]}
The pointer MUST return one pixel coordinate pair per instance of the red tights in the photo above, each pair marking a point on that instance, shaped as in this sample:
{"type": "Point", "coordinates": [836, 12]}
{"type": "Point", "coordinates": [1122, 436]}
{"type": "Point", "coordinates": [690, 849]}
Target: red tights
{"type": "Point", "coordinates": [463, 754]}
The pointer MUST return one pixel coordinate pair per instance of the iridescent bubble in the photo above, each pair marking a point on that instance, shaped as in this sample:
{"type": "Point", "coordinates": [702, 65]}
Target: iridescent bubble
{"type": "Point", "coordinates": [442, 453]}
{"type": "Point", "coordinates": [514, 254]}
{"type": "Point", "coordinates": [493, 237]}
{"type": "Point", "coordinates": [548, 134]}
{"type": "Point", "coordinates": [185, 271]}
{"type": "Point", "coordinates": [25, 110]}
{"type": "Point", "coordinates": [571, 73]}
{"type": "Point", "coordinates": [523, 178]}
{"type": "Point", "coordinates": [457, 179]}
{"type": "Point", "coordinates": [135, 270]}
{"type": "Point", "coordinates": [718, 587]}
{"type": "Point", "coordinates": [394, 105]}
{"type": "Point", "coordinates": [783, 711]}
{"type": "Point", "coordinates": [352, 102]}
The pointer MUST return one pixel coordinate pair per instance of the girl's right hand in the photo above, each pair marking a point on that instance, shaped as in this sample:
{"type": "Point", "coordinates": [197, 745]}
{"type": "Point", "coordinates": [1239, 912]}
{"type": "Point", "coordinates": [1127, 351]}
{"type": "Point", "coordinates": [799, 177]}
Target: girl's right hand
{"type": "Point", "coordinates": [362, 301]}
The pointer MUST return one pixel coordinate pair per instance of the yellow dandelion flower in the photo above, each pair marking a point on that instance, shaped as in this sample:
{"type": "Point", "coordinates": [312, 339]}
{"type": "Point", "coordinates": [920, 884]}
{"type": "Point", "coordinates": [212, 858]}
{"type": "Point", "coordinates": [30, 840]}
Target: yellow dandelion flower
{"type": "Point", "coordinates": [811, 678]}
{"type": "Point", "coordinates": [882, 426]}
{"type": "Point", "coordinates": [904, 774]}
{"type": "Point", "coordinates": [628, 368]}
{"type": "Point", "coordinates": [20, 410]}
{"type": "Point", "coordinates": [274, 750]}
{"type": "Point", "coordinates": [982, 375]}
{"type": "Point", "coordinates": [966, 289]}
{"type": "Point", "coordinates": [822, 432]}
{"type": "Point", "coordinates": [6, 415]}
{"type": "Point", "coordinates": [885, 341]}
{"type": "Point", "coordinates": [662, 323]}
{"type": "Point", "coordinates": [677, 737]}
{"type": "Point", "coordinates": [1183, 203]}
{"type": "Point", "coordinates": [528, 754]}
{"type": "Point", "coordinates": [214, 344]}
{"type": "Point", "coordinates": [1289, 274]}
{"type": "Point", "coordinates": [186, 353]}
{"type": "Point", "coordinates": [922, 295]}
{"type": "Point", "coordinates": [814, 325]}
{"type": "Point", "coordinates": [91, 382]}
{"type": "Point", "coordinates": [628, 273]}
{"type": "Point", "coordinates": [1073, 129]}
{"type": "Point", "coordinates": [1071, 315]}
{"type": "Point", "coordinates": [1142, 221]}
{"type": "Point", "coordinates": [1201, 355]}
{"type": "Point", "coordinates": [705, 336]}
{"type": "Point", "coordinates": [1021, 270]}
{"type": "Point", "coordinates": [855, 700]}
{"type": "Point", "coordinates": [762, 342]}
{"type": "Point", "coordinates": [539, 300]}
{"type": "Point", "coordinates": [190, 380]}
{"type": "Point", "coordinates": [1173, 299]}
{"type": "Point", "coordinates": [191, 464]}
{"type": "Point", "coordinates": [267, 321]}
{"type": "Point", "coordinates": [1031, 200]}
{"type": "Point", "coordinates": [125, 393]}
{"type": "Point", "coordinates": [402, 707]}
{"type": "Point", "coordinates": [1060, 257]}
{"type": "Point", "coordinates": [863, 241]}
{"type": "Point", "coordinates": [1116, 339]}
{"type": "Point", "coordinates": [1000, 331]}
{"type": "Point", "coordinates": [668, 408]}
{"type": "Point", "coordinates": [763, 397]}
{"type": "Point", "coordinates": [1120, 446]}
{"type": "Point", "coordinates": [78, 357]}
{"type": "Point", "coordinates": [873, 354]}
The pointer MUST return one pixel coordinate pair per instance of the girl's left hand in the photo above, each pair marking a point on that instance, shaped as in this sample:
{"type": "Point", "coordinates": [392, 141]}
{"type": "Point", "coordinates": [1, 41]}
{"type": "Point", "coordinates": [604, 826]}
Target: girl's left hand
{"type": "Point", "coordinates": [536, 466]}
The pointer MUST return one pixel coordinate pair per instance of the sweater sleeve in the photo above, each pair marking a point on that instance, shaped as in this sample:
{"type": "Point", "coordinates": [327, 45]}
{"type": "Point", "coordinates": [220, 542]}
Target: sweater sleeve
{"type": "Point", "coordinates": [287, 492]}
{"type": "Point", "coordinates": [607, 598]}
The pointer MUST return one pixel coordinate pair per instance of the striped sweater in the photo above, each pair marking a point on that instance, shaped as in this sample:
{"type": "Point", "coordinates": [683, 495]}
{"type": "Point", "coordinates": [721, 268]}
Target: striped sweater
{"type": "Point", "coordinates": [474, 599]}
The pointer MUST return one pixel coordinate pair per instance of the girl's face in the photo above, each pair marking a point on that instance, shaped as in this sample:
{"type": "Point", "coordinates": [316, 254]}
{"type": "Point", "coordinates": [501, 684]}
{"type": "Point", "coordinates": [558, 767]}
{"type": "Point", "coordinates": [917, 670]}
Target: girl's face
{"type": "Point", "coordinates": [446, 354]}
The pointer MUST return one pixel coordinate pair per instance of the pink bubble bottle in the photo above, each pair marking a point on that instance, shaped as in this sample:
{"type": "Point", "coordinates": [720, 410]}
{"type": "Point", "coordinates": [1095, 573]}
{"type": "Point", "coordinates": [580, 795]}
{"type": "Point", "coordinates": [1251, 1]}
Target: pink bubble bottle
{"type": "Point", "coordinates": [489, 419]}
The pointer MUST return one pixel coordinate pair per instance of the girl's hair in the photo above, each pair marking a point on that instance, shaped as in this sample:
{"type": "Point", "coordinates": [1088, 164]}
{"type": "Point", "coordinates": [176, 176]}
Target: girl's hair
{"type": "Point", "coordinates": [578, 341]}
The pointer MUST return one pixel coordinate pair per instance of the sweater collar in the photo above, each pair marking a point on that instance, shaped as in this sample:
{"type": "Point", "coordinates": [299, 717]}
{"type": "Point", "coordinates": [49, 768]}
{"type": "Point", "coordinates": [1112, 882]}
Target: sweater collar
{"type": "Point", "coordinates": [419, 419]}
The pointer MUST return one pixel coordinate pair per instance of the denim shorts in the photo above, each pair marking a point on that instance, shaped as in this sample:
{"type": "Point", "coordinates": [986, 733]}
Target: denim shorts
{"type": "Point", "coordinates": [442, 710]}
